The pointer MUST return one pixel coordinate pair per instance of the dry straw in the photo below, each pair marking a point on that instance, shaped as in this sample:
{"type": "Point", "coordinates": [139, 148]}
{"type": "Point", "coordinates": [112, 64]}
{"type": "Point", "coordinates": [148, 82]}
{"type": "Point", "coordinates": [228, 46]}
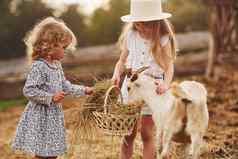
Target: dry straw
{"type": "Point", "coordinates": [116, 118]}
{"type": "Point", "coordinates": [100, 111]}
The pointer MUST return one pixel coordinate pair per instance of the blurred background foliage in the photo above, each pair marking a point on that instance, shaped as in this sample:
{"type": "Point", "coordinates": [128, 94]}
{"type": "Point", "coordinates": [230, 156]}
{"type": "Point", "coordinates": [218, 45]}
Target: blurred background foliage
{"type": "Point", "coordinates": [93, 29]}
{"type": "Point", "coordinates": [188, 15]}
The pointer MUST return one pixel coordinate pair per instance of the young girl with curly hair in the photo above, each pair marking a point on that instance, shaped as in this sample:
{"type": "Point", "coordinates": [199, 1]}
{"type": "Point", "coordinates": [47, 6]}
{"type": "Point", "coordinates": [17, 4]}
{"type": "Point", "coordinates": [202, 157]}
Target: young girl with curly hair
{"type": "Point", "coordinates": [41, 130]}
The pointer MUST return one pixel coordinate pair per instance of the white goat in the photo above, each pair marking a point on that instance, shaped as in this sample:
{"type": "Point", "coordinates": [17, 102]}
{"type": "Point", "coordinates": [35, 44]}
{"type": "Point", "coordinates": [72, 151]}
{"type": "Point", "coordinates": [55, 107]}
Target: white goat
{"type": "Point", "coordinates": [180, 113]}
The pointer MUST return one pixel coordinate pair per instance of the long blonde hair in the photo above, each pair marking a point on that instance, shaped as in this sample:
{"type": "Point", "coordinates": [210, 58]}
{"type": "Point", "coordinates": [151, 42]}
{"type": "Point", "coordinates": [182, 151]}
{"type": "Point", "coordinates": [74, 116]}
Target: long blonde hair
{"type": "Point", "coordinates": [45, 36]}
{"type": "Point", "coordinates": [159, 28]}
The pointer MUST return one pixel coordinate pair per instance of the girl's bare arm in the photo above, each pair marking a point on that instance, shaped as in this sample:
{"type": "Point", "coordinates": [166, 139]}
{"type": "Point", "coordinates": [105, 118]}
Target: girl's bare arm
{"type": "Point", "coordinates": [119, 68]}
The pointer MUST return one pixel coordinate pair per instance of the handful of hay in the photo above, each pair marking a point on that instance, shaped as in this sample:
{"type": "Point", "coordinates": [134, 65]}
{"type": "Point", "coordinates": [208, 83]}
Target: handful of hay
{"type": "Point", "coordinates": [112, 117]}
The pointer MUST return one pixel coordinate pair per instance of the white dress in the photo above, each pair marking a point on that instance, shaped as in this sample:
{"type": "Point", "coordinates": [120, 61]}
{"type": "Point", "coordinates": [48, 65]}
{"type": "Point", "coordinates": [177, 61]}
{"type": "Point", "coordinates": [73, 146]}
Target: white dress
{"type": "Point", "coordinates": [140, 56]}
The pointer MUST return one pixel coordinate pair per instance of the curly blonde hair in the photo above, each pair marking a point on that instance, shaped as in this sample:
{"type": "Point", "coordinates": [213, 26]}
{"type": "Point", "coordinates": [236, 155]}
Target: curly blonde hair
{"type": "Point", "coordinates": [46, 35]}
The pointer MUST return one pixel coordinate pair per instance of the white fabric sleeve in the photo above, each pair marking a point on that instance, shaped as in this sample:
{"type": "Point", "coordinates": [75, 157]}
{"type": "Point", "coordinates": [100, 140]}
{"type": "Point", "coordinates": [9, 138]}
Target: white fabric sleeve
{"type": "Point", "coordinates": [32, 88]}
{"type": "Point", "coordinates": [69, 88]}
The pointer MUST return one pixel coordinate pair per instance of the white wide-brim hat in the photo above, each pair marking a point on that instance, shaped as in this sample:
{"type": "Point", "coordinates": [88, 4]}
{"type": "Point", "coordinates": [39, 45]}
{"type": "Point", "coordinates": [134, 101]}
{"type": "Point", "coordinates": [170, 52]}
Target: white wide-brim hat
{"type": "Point", "coordinates": [145, 10]}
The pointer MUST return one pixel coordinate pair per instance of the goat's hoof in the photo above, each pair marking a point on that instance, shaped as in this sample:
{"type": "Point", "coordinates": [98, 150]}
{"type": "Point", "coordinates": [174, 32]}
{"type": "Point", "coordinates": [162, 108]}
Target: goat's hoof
{"type": "Point", "coordinates": [189, 156]}
{"type": "Point", "coordinates": [167, 156]}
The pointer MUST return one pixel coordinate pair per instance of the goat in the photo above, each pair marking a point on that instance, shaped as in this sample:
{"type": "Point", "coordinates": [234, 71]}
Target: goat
{"type": "Point", "coordinates": [180, 113]}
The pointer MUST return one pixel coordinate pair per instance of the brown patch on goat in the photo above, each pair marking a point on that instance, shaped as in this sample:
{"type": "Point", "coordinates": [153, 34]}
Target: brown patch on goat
{"type": "Point", "coordinates": [134, 77]}
{"type": "Point", "coordinates": [128, 72]}
{"type": "Point", "coordinates": [186, 101]}
{"type": "Point", "coordinates": [182, 136]}
{"type": "Point", "coordinates": [180, 111]}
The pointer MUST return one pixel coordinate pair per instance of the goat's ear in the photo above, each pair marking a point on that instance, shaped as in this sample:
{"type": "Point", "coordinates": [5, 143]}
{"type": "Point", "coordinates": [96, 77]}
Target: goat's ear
{"type": "Point", "coordinates": [175, 89]}
{"type": "Point", "coordinates": [134, 77]}
{"type": "Point", "coordinates": [142, 69]}
{"type": "Point", "coordinates": [128, 72]}
{"type": "Point", "coordinates": [174, 85]}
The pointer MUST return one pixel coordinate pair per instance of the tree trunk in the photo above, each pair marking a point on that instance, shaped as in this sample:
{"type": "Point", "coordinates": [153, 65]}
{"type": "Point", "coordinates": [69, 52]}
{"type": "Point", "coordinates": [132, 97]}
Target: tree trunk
{"type": "Point", "coordinates": [223, 23]}
{"type": "Point", "coordinates": [211, 57]}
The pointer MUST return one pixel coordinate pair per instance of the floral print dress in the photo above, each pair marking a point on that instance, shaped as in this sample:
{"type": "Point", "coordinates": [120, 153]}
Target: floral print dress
{"type": "Point", "coordinates": [41, 129]}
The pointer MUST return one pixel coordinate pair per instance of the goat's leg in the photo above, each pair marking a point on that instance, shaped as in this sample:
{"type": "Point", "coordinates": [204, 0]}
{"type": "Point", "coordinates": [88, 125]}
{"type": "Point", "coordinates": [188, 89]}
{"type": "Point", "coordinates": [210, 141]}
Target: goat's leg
{"type": "Point", "coordinates": [166, 139]}
{"type": "Point", "coordinates": [196, 139]}
{"type": "Point", "coordinates": [159, 135]}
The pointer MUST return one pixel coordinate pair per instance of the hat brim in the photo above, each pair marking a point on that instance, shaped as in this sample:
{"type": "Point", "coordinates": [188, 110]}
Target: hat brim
{"type": "Point", "coordinates": [130, 18]}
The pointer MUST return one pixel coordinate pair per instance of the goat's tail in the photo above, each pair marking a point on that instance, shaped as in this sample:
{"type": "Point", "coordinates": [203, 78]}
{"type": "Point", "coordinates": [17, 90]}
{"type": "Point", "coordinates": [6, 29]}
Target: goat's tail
{"type": "Point", "coordinates": [197, 116]}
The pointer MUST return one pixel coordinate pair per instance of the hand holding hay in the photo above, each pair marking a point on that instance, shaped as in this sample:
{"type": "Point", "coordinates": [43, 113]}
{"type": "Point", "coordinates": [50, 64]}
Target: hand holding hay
{"type": "Point", "coordinates": [89, 90]}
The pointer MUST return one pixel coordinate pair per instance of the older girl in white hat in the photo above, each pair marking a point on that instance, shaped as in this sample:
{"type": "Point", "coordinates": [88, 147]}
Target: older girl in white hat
{"type": "Point", "coordinates": [147, 40]}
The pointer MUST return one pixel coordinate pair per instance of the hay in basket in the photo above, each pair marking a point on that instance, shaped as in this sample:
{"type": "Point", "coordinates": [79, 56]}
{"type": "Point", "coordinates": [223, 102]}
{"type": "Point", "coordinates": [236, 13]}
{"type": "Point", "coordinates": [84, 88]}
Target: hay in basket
{"type": "Point", "coordinates": [116, 117]}
{"type": "Point", "coordinates": [102, 111]}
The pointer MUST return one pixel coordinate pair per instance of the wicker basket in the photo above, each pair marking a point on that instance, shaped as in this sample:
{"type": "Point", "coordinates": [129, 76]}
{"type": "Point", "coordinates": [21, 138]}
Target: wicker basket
{"type": "Point", "coordinates": [116, 124]}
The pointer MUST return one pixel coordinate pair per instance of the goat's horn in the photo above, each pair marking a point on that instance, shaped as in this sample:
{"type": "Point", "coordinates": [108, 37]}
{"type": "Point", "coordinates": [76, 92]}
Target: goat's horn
{"type": "Point", "coordinates": [142, 69]}
{"type": "Point", "coordinates": [134, 76]}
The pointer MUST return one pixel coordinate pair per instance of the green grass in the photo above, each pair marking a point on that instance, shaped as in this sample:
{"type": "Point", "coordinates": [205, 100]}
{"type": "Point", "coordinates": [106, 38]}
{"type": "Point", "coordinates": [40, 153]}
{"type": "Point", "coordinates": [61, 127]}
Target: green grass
{"type": "Point", "coordinates": [4, 104]}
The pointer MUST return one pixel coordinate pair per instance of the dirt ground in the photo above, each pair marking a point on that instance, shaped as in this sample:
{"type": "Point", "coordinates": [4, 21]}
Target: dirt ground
{"type": "Point", "coordinates": [221, 140]}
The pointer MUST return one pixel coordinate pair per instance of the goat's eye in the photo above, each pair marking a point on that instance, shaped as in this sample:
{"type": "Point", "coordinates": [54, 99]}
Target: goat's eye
{"type": "Point", "coordinates": [134, 77]}
{"type": "Point", "coordinates": [128, 88]}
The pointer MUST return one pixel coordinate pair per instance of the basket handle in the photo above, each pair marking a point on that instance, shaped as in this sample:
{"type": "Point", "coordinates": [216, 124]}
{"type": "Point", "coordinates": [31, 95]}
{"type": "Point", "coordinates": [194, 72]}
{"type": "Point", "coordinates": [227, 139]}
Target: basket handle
{"type": "Point", "coordinates": [107, 96]}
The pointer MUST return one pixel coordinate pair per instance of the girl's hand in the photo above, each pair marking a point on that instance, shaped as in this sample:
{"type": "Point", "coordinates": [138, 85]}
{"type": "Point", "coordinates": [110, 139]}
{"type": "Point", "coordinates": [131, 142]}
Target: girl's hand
{"type": "Point", "coordinates": [161, 88]}
{"type": "Point", "coordinates": [89, 90]}
{"type": "Point", "coordinates": [58, 97]}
